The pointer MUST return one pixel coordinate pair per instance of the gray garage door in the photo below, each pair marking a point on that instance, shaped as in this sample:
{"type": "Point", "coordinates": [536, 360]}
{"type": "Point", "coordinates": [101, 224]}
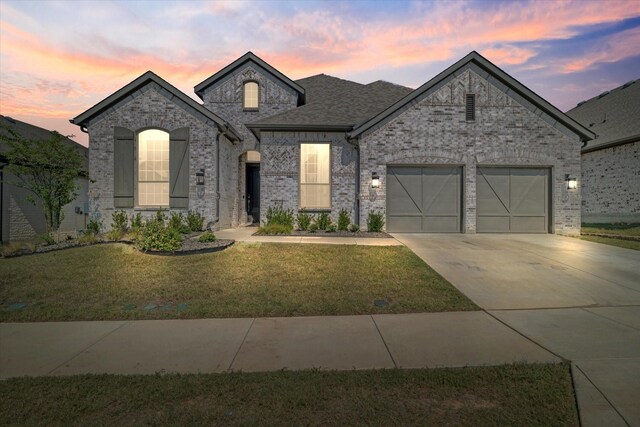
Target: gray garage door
{"type": "Point", "coordinates": [424, 199]}
{"type": "Point", "coordinates": [512, 200]}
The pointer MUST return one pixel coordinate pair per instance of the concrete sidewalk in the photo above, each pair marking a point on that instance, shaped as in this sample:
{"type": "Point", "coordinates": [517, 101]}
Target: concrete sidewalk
{"type": "Point", "coordinates": [263, 344]}
{"type": "Point", "coordinates": [245, 234]}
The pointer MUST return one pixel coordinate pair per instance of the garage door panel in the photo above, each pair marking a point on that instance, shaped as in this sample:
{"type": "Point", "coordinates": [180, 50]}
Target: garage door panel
{"type": "Point", "coordinates": [493, 191]}
{"type": "Point", "coordinates": [441, 191]}
{"type": "Point", "coordinates": [404, 191]}
{"type": "Point", "coordinates": [423, 199]}
{"type": "Point", "coordinates": [523, 208]}
{"type": "Point", "coordinates": [405, 224]}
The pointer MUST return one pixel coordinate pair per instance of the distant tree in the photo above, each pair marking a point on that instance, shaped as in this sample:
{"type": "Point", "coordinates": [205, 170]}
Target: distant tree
{"type": "Point", "coordinates": [48, 168]}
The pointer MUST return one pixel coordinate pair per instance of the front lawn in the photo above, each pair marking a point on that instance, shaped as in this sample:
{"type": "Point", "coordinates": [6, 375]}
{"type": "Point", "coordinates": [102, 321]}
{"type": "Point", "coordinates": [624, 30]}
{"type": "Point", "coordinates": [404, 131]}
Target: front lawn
{"type": "Point", "coordinates": [620, 229]}
{"type": "Point", "coordinates": [505, 395]}
{"type": "Point", "coordinates": [115, 281]}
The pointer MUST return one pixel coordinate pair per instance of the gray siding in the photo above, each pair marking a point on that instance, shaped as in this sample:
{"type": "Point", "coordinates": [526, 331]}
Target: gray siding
{"type": "Point", "coordinates": [611, 184]}
{"type": "Point", "coordinates": [433, 131]}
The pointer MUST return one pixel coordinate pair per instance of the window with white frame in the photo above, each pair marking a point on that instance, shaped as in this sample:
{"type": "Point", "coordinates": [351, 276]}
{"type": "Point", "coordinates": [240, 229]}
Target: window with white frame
{"type": "Point", "coordinates": [315, 176]}
{"type": "Point", "coordinates": [153, 168]}
{"type": "Point", "coordinates": [251, 95]}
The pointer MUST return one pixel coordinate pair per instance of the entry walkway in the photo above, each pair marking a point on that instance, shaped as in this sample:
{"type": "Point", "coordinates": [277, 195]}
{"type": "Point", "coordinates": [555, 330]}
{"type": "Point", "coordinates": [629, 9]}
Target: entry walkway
{"type": "Point", "coordinates": [263, 344]}
{"type": "Point", "coordinates": [245, 234]}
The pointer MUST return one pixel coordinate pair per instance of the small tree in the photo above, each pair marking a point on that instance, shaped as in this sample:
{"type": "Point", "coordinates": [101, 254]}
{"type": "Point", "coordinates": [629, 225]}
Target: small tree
{"type": "Point", "coordinates": [48, 168]}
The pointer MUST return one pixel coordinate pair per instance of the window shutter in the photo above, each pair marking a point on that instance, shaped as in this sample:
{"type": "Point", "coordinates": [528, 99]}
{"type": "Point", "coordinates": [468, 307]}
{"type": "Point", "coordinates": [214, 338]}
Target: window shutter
{"type": "Point", "coordinates": [179, 168]}
{"type": "Point", "coordinates": [123, 164]}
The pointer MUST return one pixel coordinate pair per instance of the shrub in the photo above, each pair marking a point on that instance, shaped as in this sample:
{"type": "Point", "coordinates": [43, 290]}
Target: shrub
{"type": "Point", "coordinates": [354, 228]}
{"type": "Point", "coordinates": [160, 217]}
{"type": "Point", "coordinates": [332, 228]}
{"type": "Point", "coordinates": [154, 236]}
{"type": "Point", "coordinates": [88, 238]}
{"type": "Point", "coordinates": [16, 248]}
{"type": "Point", "coordinates": [195, 221]}
{"type": "Point", "coordinates": [275, 229]}
{"type": "Point", "coordinates": [136, 221]}
{"type": "Point", "coordinates": [313, 227]}
{"type": "Point", "coordinates": [280, 216]}
{"type": "Point", "coordinates": [375, 221]}
{"type": "Point", "coordinates": [115, 234]}
{"type": "Point", "coordinates": [119, 221]}
{"type": "Point", "coordinates": [47, 239]}
{"type": "Point", "coordinates": [304, 221]}
{"type": "Point", "coordinates": [323, 221]}
{"type": "Point", "coordinates": [94, 226]}
{"type": "Point", "coordinates": [343, 220]}
{"type": "Point", "coordinates": [206, 237]}
{"type": "Point", "coordinates": [177, 222]}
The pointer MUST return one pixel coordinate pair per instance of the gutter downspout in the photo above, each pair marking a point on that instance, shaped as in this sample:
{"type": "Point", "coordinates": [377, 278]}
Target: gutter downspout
{"type": "Point", "coordinates": [2, 202]}
{"type": "Point", "coordinates": [356, 217]}
{"type": "Point", "coordinates": [217, 219]}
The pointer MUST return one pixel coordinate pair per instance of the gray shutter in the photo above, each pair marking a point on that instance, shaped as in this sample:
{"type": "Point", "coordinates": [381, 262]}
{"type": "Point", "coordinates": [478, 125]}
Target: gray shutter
{"type": "Point", "coordinates": [179, 168]}
{"type": "Point", "coordinates": [123, 164]}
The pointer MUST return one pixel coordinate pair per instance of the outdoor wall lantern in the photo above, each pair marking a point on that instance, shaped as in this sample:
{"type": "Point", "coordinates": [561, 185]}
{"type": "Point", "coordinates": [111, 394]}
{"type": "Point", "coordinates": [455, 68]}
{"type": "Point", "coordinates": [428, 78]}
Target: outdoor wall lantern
{"type": "Point", "coordinates": [200, 177]}
{"type": "Point", "coordinates": [572, 183]}
{"type": "Point", "coordinates": [375, 180]}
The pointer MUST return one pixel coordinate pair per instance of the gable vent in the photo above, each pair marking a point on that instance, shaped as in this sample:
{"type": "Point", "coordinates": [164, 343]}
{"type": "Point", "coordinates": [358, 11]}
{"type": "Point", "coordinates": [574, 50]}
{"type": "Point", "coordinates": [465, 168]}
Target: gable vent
{"type": "Point", "coordinates": [471, 107]}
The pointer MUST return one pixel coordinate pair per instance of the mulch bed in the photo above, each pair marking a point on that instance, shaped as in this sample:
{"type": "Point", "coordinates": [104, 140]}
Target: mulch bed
{"type": "Point", "coordinates": [321, 233]}
{"type": "Point", "coordinates": [193, 246]}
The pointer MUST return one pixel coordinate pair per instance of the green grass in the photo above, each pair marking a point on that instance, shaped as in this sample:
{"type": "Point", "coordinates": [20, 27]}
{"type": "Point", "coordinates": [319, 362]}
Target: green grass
{"type": "Point", "coordinates": [619, 229]}
{"type": "Point", "coordinates": [246, 280]}
{"type": "Point", "coordinates": [505, 395]}
{"type": "Point", "coordinates": [629, 244]}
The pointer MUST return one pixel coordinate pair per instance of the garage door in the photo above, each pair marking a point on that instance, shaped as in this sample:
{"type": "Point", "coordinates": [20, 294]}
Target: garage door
{"type": "Point", "coordinates": [512, 200]}
{"type": "Point", "coordinates": [424, 199]}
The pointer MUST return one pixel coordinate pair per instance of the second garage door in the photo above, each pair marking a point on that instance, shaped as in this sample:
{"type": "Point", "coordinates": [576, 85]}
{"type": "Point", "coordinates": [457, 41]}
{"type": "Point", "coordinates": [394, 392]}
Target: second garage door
{"type": "Point", "coordinates": [424, 199]}
{"type": "Point", "coordinates": [512, 200]}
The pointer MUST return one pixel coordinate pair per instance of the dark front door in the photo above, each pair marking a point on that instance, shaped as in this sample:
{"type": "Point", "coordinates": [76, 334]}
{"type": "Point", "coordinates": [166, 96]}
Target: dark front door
{"type": "Point", "coordinates": [253, 192]}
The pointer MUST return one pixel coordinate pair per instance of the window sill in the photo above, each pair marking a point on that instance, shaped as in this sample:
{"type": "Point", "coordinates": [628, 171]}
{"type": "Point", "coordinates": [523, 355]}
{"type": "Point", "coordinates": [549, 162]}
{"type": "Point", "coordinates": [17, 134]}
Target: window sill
{"type": "Point", "coordinates": [154, 208]}
{"type": "Point", "coordinates": [314, 210]}
{"type": "Point", "coordinates": [250, 110]}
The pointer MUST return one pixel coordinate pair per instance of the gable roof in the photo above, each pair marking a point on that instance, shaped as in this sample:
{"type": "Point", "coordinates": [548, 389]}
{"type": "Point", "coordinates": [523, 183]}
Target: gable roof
{"type": "Point", "coordinates": [247, 57]}
{"type": "Point", "coordinates": [613, 115]}
{"type": "Point", "coordinates": [333, 103]}
{"type": "Point", "coordinates": [143, 80]}
{"type": "Point", "coordinates": [514, 88]}
{"type": "Point", "coordinates": [29, 131]}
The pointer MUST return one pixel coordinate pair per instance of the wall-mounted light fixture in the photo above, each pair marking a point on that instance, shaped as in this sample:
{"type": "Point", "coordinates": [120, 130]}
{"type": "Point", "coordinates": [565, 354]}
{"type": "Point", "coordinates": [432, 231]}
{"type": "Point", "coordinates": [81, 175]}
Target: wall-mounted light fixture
{"type": "Point", "coordinates": [200, 177]}
{"type": "Point", "coordinates": [572, 183]}
{"type": "Point", "coordinates": [375, 180]}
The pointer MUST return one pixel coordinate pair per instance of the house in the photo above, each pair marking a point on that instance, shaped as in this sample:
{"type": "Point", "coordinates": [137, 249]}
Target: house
{"type": "Point", "coordinates": [611, 162]}
{"type": "Point", "coordinates": [19, 218]}
{"type": "Point", "coordinates": [471, 150]}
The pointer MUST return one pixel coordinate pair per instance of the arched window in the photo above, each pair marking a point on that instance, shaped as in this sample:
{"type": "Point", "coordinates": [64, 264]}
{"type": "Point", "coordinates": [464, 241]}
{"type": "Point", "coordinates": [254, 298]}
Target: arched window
{"type": "Point", "coordinates": [251, 95]}
{"type": "Point", "coordinates": [153, 168]}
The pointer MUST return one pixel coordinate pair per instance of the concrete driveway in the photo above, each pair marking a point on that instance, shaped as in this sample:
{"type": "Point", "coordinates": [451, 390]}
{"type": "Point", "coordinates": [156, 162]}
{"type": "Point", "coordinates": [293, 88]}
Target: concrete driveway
{"type": "Point", "coordinates": [577, 299]}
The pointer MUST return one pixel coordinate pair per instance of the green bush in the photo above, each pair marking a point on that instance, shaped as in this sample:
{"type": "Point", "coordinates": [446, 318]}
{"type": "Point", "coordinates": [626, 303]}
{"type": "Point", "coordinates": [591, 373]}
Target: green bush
{"type": "Point", "coordinates": [47, 239]}
{"type": "Point", "coordinates": [332, 228]}
{"type": "Point", "coordinates": [304, 221]}
{"type": "Point", "coordinates": [323, 221]}
{"type": "Point", "coordinates": [94, 226]}
{"type": "Point", "coordinates": [154, 236]}
{"type": "Point", "coordinates": [375, 221]}
{"type": "Point", "coordinates": [280, 216]}
{"type": "Point", "coordinates": [313, 227]}
{"type": "Point", "coordinates": [119, 221]}
{"type": "Point", "coordinates": [195, 221]}
{"type": "Point", "coordinates": [275, 229]}
{"type": "Point", "coordinates": [115, 234]}
{"type": "Point", "coordinates": [354, 228]}
{"type": "Point", "coordinates": [177, 222]}
{"type": "Point", "coordinates": [343, 220]}
{"type": "Point", "coordinates": [206, 237]}
{"type": "Point", "coordinates": [136, 221]}
{"type": "Point", "coordinates": [160, 217]}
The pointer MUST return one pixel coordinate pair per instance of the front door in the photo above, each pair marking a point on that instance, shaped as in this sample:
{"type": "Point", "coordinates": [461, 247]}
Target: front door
{"type": "Point", "coordinates": [253, 192]}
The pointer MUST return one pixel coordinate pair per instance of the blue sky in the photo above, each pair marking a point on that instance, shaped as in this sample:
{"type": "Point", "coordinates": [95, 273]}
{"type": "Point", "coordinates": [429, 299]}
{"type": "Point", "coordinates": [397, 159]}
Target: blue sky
{"type": "Point", "coordinates": [58, 58]}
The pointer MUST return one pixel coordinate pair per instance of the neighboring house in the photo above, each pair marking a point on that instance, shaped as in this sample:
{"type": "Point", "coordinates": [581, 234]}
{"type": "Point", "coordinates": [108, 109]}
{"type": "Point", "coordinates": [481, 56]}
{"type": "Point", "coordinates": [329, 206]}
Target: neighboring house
{"type": "Point", "coordinates": [472, 150]}
{"type": "Point", "coordinates": [611, 162]}
{"type": "Point", "coordinates": [19, 218]}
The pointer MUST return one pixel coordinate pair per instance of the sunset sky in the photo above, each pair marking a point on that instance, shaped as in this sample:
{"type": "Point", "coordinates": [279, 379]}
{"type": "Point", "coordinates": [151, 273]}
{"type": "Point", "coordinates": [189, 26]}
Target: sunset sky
{"type": "Point", "coordinates": [58, 58]}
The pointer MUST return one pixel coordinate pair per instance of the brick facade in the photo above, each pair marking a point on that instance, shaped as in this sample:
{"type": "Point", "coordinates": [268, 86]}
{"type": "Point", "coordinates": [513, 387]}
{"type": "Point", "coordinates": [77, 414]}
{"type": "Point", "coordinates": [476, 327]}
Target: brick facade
{"type": "Point", "coordinates": [611, 184]}
{"type": "Point", "coordinates": [433, 130]}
